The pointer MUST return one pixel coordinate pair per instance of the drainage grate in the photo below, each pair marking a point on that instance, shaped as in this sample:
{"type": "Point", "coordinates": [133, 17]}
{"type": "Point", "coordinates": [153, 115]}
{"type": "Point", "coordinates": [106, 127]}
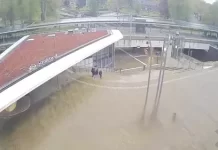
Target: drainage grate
{"type": "Point", "coordinates": [216, 131]}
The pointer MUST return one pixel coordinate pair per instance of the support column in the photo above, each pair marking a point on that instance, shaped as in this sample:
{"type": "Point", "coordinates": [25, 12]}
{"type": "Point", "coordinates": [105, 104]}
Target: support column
{"type": "Point", "coordinates": [101, 58]}
{"type": "Point", "coordinates": [113, 55]}
{"type": "Point", "coordinates": [108, 57]}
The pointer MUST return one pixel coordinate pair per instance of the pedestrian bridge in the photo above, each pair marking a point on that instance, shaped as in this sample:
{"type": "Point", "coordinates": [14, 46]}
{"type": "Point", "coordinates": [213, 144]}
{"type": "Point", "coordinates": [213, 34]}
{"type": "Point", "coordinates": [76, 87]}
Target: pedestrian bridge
{"type": "Point", "coordinates": [158, 41]}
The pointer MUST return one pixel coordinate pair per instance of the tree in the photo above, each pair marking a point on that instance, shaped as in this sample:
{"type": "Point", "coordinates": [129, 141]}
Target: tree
{"type": "Point", "coordinates": [130, 3]}
{"type": "Point", "coordinates": [27, 10]}
{"type": "Point", "coordinates": [137, 7]}
{"type": "Point", "coordinates": [211, 15]}
{"type": "Point", "coordinates": [67, 3]}
{"type": "Point", "coordinates": [43, 4]}
{"type": "Point", "coordinates": [115, 5]}
{"type": "Point", "coordinates": [93, 7]}
{"type": "Point", "coordinates": [22, 10]}
{"type": "Point", "coordinates": [164, 8]}
{"type": "Point", "coordinates": [33, 11]}
{"type": "Point", "coordinates": [52, 6]}
{"type": "Point", "coordinates": [179, 9]}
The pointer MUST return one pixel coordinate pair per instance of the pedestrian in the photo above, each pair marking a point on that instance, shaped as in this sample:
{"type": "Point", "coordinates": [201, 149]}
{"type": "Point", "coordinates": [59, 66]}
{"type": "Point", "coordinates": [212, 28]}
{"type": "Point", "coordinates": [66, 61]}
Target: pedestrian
{"type": "Point", "coordinates": [93, 71]}
{"type": "Point", "coordinates": [100, 74]}
{"type": "Point", "coordinates": [174, 117]}
{"type": "Point", "coordinates": [96, 72]}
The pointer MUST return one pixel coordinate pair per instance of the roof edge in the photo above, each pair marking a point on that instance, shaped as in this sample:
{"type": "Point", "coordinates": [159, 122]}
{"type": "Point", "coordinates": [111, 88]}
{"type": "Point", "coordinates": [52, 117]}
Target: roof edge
{"type": "Point", "coordinates": [12, 47]}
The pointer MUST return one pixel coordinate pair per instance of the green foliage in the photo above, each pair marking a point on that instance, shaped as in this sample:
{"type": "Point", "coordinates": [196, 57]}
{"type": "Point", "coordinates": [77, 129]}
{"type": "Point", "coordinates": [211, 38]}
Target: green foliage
{"type": "Point", "coordinates": [115, 5]}
{"type": "Point", "coordinates": [185, 9]}
{"type": "Point", "coordinates": [137, 7]}
{"type": "Point", "coordinates": [30, 11]}
{"type": "Point", "coordinates": [180, 9]}
{"type": "Point", "coordinates": [93, 6]}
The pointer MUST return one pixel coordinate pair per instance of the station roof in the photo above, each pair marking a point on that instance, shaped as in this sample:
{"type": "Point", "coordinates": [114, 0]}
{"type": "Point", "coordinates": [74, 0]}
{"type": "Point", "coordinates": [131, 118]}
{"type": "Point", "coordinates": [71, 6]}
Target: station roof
{"type": "Point", "coordinates": [38, 50]}
{"type": "Point", "coordinates": [36, 59]}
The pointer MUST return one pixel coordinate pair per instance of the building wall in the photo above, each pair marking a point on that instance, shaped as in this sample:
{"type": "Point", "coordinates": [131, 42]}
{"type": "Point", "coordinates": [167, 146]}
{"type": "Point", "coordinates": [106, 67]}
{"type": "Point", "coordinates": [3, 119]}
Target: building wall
{"type": "Point", "coordinates": [212, 54]}
{"type": "Point", "coordinates": [102, 59]}
{"type": "Point", "coordinates": [51, 86]}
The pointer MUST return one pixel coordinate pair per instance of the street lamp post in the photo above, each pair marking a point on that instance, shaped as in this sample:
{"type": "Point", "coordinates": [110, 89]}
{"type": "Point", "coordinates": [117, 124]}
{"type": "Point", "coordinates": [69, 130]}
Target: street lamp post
{"type": "Point", "coordinates": [159, 79]}
{"type": "Point", "coordinates": [160, 82]}
{"type": "Point", "coordinates": [149, 77]}
{"type": "Point", "coordinates": [130, 29]}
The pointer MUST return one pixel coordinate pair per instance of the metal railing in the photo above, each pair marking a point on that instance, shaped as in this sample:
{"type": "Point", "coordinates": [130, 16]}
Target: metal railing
{"type": "Point", "coordinates": [113, 20]}
{"type": "Point", "coordinates": [80, 69]}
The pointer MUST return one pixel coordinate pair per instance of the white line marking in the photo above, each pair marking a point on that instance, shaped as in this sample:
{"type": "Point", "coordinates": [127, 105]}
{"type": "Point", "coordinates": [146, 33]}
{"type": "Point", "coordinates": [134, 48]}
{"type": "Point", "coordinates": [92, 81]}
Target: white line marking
{"type": "Point", "coordinates": [207, 67]}
{"type": "Point", "coordinates": [133, 57]}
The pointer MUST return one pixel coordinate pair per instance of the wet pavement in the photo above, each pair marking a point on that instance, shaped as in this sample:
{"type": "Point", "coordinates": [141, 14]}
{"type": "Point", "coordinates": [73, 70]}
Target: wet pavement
{"type": "Point", "coordinates": [87, 117]}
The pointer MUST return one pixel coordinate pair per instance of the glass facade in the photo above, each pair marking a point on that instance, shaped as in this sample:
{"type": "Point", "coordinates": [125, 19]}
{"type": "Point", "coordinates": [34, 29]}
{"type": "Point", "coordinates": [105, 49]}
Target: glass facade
{"type": "Point", "coordinates": [101, 59]}
{"type": "Point", "coordinates": [104, 58]}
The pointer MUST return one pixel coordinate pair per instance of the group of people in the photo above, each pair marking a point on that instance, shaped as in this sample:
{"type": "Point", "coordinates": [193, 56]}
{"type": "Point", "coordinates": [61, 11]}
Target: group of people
{"type": "Point", "coordinates": [95, 72]}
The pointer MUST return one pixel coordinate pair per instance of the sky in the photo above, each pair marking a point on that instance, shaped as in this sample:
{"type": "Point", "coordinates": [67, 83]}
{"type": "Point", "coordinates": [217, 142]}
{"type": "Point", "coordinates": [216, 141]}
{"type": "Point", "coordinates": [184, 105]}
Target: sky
{"type": "Point", "coordinates": [210, 1]}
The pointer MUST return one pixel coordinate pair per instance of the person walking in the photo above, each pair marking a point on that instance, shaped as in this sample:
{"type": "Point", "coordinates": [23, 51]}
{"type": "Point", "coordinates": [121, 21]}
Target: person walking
{"type": "Point", "coordinates": [100, 74]}
{"type": "Point", "coordinates": [96, 72]}
{"type": "Point", "coordinates": [93, 71]}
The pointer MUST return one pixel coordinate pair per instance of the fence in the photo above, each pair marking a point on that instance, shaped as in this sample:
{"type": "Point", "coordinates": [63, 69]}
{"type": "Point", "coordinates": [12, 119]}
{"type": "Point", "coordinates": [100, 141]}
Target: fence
{"type": "Point", "coordinates": [79, 69]}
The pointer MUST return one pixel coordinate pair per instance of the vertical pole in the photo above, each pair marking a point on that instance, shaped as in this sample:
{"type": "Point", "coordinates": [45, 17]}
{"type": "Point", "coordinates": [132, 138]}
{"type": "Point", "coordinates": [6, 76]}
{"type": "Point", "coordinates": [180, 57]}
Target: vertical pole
{"type": "Point", "coordinates": [108, 58]}
{"type": "Point", "coordinates": [130, 29]}
{"type": "Point", "coordinates": [114, 52]}
{"type": "Point", "coordinates": [149, 76]}
{"type": "Point", "coordinates": [178, 56]}
{"type": "Point", "coordinates": [189, 59]}
{"type": "Point", "coordinates": [175, 56]}
{"type": "Point", "coordinates": [161, 85]}
{"type": "Point", "coordinates": [101, 58]}
{"type": "Point", "coordinates": [159, 80]}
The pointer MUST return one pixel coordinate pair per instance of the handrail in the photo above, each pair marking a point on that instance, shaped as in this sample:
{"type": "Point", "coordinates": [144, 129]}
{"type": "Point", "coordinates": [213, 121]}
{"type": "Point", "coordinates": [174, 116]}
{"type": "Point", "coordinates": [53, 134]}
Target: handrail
{"type": "Point", "coordinates": [116, 20]}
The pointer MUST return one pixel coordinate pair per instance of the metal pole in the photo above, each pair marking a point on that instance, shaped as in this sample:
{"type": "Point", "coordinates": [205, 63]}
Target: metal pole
{"type": "Point", "coordinates": [114, 54]}
{"type": "Point", "coordinates": [161, 86]}
{"type": "Point", "coordinates": [108, 58]}
{"type": "Point", "coordinates": [149, 76]}
{"type": "Point", "coordinates": [130, 29]}
{"type": "Point", "coordinates": [101, 59]}
{"type": "Point", "coordinates": [178, 57]}
{"type": "Point", "coordinates": [191, 57]}
{"type": "Point", "coordinates": [159, 79]}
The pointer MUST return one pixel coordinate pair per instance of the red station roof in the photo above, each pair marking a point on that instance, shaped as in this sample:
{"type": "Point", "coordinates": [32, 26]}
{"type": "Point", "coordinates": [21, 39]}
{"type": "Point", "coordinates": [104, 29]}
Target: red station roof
{"type": "Point", "coordinates": [38, 48]}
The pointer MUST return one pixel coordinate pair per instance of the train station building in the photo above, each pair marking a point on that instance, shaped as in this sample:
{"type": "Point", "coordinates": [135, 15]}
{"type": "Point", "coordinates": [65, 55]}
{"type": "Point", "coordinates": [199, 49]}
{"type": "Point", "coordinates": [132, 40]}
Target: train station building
{"type": "Point", "coordinates": [38, 65]}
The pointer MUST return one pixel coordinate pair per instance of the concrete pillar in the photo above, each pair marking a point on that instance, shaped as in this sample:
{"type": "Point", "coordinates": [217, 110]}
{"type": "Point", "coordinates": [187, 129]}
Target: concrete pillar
{"type": "Point", "coordinates": [101, 58]}
{"type": "Point", "coordinates": [113, 55]}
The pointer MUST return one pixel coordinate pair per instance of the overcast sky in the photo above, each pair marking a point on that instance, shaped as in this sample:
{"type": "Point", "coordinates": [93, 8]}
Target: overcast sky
{"type": "Point", "coordinates": [210, 1]}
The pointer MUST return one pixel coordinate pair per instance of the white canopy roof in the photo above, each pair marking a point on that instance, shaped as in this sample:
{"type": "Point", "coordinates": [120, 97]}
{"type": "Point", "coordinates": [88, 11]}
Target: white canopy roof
{"type": "Point", "coordinates": [31, 82]}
